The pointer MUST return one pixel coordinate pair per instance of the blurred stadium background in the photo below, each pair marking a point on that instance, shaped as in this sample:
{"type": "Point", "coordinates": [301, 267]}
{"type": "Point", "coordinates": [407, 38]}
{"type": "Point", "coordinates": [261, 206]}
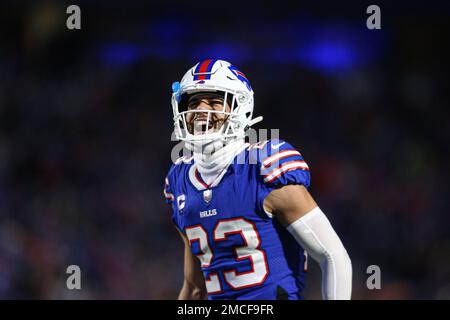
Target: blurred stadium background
{"type": "Point", "coordinates": [85, 127]}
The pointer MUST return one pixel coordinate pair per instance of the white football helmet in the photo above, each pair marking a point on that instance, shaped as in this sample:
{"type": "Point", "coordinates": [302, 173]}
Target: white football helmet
{"type": "Point", "coordinates": [216, 77]}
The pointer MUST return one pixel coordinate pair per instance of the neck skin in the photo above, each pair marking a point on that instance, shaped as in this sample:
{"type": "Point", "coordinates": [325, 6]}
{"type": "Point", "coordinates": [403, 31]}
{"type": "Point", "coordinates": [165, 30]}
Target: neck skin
{"type": "Point", "coordinates": [212, 163]}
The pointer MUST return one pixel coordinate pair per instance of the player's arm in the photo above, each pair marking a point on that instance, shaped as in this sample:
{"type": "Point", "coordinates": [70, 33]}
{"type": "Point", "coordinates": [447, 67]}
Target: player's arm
{"type": "Point", "coordinates": [194, 287]}
{"type": "Point", "coordinates": [296, 209]}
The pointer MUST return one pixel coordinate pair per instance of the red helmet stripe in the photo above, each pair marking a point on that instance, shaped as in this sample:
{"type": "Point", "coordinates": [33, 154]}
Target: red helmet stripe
{"type": "Point", "coordinates": [203, 68]}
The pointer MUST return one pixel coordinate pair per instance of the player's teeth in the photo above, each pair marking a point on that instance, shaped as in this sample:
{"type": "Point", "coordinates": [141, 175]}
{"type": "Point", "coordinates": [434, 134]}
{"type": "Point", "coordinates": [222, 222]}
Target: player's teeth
{"type": "Point", "coordinates": [201, 127]}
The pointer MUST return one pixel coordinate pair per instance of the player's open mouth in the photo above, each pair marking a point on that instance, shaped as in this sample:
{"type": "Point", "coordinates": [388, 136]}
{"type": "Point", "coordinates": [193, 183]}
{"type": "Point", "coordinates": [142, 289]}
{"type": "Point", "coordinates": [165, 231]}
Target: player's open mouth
{"type": "Point", "coordinates": [203, 127]}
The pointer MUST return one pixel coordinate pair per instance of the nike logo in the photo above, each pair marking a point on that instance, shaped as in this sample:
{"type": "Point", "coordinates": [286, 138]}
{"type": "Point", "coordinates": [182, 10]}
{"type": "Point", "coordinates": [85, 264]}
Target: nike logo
{"type": "Point", "coordinates": [277, 146]}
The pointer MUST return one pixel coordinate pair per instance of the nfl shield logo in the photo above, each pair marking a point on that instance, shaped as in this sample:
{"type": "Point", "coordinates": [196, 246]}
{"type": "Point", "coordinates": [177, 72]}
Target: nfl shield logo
{"type": "Point", "coordinates": [207, 195]}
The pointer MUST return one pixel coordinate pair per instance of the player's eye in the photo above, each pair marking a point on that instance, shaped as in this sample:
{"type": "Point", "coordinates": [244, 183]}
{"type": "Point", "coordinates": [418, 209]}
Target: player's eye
{"type": "Point", "coordinates": [192, 106]}
{"type": "Point", "coordinates": [216, 103]}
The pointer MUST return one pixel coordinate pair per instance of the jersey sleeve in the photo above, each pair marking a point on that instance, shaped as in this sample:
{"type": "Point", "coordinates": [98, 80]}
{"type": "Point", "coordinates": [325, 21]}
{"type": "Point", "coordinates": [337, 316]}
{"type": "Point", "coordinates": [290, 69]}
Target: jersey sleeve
{"type": "Point", "coordinates": [280, 164]}
{"type": "Point", "coordinates": [167, 191]}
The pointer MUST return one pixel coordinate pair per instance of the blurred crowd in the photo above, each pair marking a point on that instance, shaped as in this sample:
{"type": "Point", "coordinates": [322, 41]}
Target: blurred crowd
{"type": "Point", "coordinates": [85, 143]}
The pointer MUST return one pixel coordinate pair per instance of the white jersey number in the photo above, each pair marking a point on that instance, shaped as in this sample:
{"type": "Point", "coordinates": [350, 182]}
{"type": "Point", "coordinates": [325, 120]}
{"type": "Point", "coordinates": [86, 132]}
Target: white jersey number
{"type": "Point", "coordinates": [250, 251]}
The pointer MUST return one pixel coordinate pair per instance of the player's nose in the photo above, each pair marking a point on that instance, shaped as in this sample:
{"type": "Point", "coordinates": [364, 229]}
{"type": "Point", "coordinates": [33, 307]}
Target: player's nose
{"type": "Point", "coordinates": [203, 105]}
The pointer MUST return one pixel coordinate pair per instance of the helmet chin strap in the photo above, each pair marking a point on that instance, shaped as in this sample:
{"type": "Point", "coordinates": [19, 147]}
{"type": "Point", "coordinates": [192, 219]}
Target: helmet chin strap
{"type": "Point", "coordinates": [212, 157]}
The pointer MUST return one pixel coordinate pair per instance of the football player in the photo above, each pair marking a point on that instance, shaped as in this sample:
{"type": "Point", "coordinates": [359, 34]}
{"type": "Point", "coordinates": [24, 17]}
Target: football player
{"type": "Point", "coordinates": [244, 211]}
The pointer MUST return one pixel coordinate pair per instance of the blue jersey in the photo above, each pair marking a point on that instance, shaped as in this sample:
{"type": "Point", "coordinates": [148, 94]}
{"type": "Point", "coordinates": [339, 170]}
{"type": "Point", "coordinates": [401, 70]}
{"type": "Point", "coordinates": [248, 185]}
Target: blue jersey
{"type": "Point", "coordinates": [244, 253]}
